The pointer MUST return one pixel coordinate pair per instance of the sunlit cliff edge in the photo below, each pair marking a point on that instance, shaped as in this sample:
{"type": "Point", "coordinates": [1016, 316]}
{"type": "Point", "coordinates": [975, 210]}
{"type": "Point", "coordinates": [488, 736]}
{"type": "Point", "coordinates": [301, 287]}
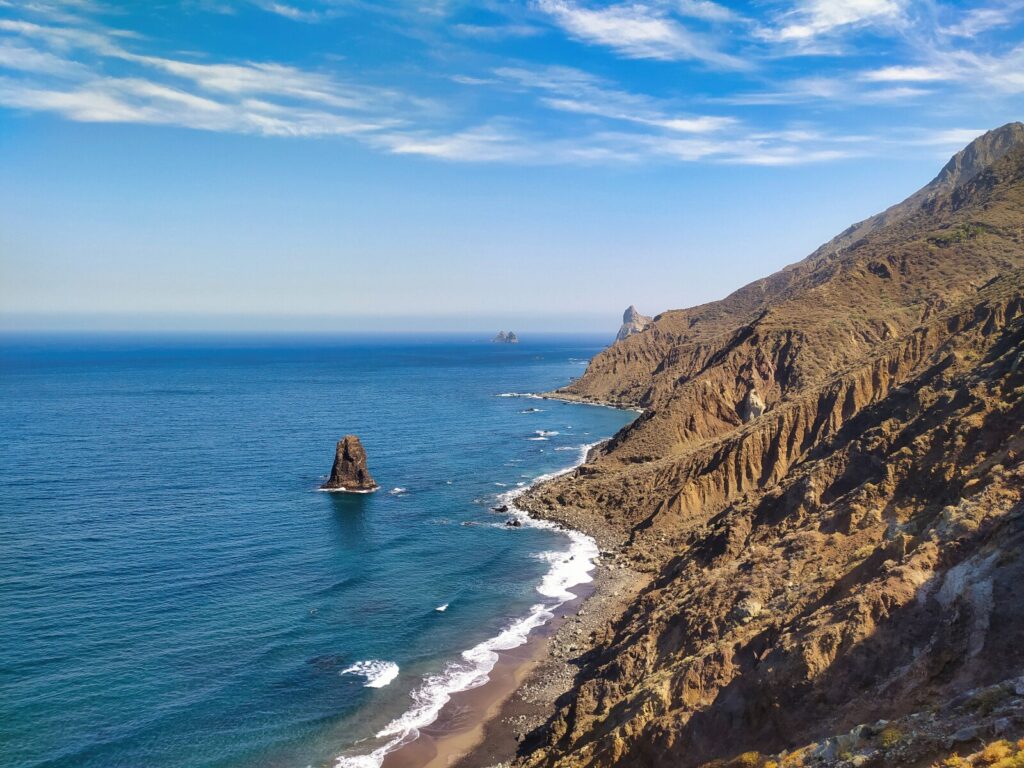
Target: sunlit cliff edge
{"type": "Point", "coordinates": [825, 490]}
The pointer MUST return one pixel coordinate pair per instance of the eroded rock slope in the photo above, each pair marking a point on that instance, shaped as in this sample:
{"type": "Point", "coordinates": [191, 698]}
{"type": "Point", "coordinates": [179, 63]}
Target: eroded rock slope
{"type": "Point", "coordinates": [826, 490]}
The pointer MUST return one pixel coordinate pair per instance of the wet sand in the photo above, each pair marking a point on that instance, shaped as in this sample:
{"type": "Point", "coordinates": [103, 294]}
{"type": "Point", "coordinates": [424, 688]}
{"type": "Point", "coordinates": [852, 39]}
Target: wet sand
{"type": "Point", "coordinates": [460, 726]}
{"type": "Point", "coordinates": [483, 727]}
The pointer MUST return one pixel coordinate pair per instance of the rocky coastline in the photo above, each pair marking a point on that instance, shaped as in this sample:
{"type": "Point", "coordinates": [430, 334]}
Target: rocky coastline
{"type": "Point", "coordinates": [812, 538]}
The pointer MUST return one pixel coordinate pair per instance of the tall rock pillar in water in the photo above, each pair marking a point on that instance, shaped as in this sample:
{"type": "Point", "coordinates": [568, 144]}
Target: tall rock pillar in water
{"type": "Point", "coordinates": [349, 472]}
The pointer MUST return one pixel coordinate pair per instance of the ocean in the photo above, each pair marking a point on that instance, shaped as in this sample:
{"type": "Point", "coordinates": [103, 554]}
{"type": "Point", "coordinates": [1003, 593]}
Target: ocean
{"type": "Point", "coordinates": [176, 592]}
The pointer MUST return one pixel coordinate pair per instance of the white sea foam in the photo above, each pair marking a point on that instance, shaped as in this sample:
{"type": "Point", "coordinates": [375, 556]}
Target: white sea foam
{"type": "Point", "coordinates": [398, 491]}
{"type": "Point", "coordinates": [535, 439]}
{"type": "Point", "coordinates": [567, 569]}
{"type": "Point", "coordinates": [377, 673]}
{"type": "Point", "coordinates": [442, 608]}
{"type": "Point", "coordinates": [545, 432]}
{"type": "Point", "coordinates": [346, 490]}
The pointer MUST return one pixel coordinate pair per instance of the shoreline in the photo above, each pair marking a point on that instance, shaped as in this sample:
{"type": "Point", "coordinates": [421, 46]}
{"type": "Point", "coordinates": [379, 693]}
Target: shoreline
{"type": "Point", "coordinates": [551, 673]}
{"type": "Point", "coordinates": [574, 400]}
{"type": "Point", "coordinates": [484, 727]}
{"type": "Point", "coordinates": [461, 724]}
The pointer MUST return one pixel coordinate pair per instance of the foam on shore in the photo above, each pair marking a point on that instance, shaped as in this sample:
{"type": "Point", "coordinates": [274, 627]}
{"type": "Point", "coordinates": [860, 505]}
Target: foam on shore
{"type": "Point", "coordinates": [377, 673]}
{"type": "Point", "coordinates": [568, 568]}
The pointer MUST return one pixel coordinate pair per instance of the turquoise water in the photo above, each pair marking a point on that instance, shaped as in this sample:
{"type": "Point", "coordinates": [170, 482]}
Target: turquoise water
{"type": "Point", "coordinates": [176, 592]}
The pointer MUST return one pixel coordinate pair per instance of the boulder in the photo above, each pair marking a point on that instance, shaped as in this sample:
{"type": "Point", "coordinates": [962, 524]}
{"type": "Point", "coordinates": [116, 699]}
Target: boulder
{"type": "Point", "coordinates": [349, 472]}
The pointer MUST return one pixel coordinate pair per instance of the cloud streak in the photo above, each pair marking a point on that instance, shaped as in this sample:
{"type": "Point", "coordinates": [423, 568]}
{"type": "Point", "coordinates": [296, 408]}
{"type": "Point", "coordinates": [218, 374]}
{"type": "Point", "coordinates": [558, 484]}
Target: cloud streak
{"type": "Point", "coordinates": [467, 103]}
{"type": "Point", "coordinates": [813, 18]}
{"type": "Point", "coordinates": [638, 31]}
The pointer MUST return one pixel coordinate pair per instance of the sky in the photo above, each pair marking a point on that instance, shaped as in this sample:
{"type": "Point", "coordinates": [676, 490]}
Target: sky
{"type": "Point", "coordinates": [343, 165]}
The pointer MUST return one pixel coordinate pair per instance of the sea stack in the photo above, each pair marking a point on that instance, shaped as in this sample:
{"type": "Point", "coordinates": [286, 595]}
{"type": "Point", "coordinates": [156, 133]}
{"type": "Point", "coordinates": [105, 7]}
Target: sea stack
{"type": "Point", "coordinates": [349, 473]}
{"type": "Point", "coordinates": [504, 337]}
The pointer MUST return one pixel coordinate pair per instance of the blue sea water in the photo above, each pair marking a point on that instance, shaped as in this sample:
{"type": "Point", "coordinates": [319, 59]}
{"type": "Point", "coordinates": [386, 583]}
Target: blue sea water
{"type": "Point", "coordinates": [176, 592]}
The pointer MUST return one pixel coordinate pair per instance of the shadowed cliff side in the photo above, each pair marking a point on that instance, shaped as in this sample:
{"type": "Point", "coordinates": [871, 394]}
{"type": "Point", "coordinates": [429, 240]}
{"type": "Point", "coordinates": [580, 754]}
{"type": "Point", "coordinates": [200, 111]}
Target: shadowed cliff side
{"type": "Point", "coordinates": [826, 491]}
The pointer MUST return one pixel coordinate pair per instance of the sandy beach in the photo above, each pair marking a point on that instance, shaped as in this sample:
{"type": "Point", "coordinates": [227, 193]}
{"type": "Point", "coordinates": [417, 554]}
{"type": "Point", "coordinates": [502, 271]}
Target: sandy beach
{"type": "Point", "coordinates": [483, 727]}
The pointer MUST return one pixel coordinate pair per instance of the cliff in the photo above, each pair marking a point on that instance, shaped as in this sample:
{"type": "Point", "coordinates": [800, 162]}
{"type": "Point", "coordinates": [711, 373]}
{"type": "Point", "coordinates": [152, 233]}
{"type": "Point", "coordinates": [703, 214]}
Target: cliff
{"type": "Point", "coordinates": [825, 490]}
{"type": "Point", "coordinates": [632, 322]}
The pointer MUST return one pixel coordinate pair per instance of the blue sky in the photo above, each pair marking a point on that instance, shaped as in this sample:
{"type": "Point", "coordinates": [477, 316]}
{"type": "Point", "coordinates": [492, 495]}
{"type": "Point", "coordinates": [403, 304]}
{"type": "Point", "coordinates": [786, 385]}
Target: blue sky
{"type": "Point", "coordinates": [339, 164]}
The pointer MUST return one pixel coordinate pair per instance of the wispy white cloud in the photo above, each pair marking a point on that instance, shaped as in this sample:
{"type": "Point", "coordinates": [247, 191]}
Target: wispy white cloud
{"type": "Point", "coordinates": [976, 21]}
{"type": "Point", "coordinates": [503, 143]}
{"type": "Point", "coordinates": [571, 90]}
{"type": "Point", "coordinates": [492, 142]}
{"type": "Point", "coordinates": [65, 38]}
{"type": "Point", "coordinates": [291, 12]}
{"type": "Point", "coordinates": [706, 10]}
{"type": "Point", "coordinates": [17, 56]}
{"type": "Point", "coordinates": [859, 89]}
{"type": "Point", "coordinates": [250, 97]}
{"type": "Point", "coordinates": [1000, 73]}
{"type": "Point", "coordinates": [497, 31]}
{"type": "Point", "coordinates": [948, 138]}
{"type": "Point", "coordinates": [133, 100]}
{"type": "Point", "coordinates": [904, 74]}
{"type": "Point", "coordinates": [811, 18]}
{"type": "Point", "coordinates": [636, 31]}
{"type": "Point", "coordinates": [87, 71]}
{"type": "Point", "coordinates": [268, 79]}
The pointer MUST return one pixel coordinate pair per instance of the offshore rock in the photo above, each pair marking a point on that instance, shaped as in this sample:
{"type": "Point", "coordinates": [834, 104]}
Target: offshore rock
{"type": "Point", "coordinates": [506, 337]}
{"type": "Point", "coordinates": [349, 472]}
{"type": "Point", "coordinates": [632, 322]}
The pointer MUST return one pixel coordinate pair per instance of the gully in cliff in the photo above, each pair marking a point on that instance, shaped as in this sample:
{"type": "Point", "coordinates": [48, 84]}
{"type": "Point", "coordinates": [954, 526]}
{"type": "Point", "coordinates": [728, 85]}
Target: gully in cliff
{"type": "Point", "coordinates": [349, 473]}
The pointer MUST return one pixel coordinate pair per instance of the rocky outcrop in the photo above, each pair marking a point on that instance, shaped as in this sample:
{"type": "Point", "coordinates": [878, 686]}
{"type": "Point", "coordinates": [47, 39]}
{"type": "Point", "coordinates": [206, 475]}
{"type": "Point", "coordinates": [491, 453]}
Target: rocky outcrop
{"type": "Point", "coordinates": [753, 406]}
{"type": "Point", "coordinates": [506, 337]}
{"type": "Point", "coordinates": [826, 491]}
{"type": "Point", "coordinates": [632, 322]}
{"type": "Point", "coordinates": [349, 473]}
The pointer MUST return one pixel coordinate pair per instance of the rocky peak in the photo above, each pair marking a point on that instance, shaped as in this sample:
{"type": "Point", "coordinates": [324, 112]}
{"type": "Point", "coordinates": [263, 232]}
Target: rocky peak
{"type": "Point", "coordinates": [349, 472]}
{"type": "Point", "coordinates": [506, 337]}
{"type": "Point", "coordinates": [632, 322]}
{"type": "Point", "coordinates": [979, 155]}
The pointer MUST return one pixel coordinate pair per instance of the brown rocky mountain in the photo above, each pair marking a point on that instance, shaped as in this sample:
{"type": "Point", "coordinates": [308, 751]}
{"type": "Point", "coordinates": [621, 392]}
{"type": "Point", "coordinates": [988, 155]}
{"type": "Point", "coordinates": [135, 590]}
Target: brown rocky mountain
{"type": "Point", "coordinates": [825, 494]}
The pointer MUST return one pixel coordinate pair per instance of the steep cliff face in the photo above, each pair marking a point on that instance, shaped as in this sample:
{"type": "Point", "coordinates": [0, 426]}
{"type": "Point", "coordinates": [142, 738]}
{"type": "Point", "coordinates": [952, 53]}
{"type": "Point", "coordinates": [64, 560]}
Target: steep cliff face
{"type": "Point", "coordinates": [825, 488]}
{"type": "Point", "coordinates": [632, 323]}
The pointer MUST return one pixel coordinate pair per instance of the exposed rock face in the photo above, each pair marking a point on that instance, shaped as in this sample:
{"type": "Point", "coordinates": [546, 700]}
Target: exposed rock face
{"type": "Point", "coordinates": [827, 491]}
{"type": "Point", "coordinates": [505, 337]}
{"type": "Point", "coordinates": [632, 322]}
{"type": "Point", "coordinates": [753, 406]}
{"type": "Point", "coordinates": [349, 472]}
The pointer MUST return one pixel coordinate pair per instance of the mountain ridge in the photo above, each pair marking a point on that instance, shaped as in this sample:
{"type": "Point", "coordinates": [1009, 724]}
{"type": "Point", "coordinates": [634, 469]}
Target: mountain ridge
{"type": "Point", "coordinates": [785, 544]}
